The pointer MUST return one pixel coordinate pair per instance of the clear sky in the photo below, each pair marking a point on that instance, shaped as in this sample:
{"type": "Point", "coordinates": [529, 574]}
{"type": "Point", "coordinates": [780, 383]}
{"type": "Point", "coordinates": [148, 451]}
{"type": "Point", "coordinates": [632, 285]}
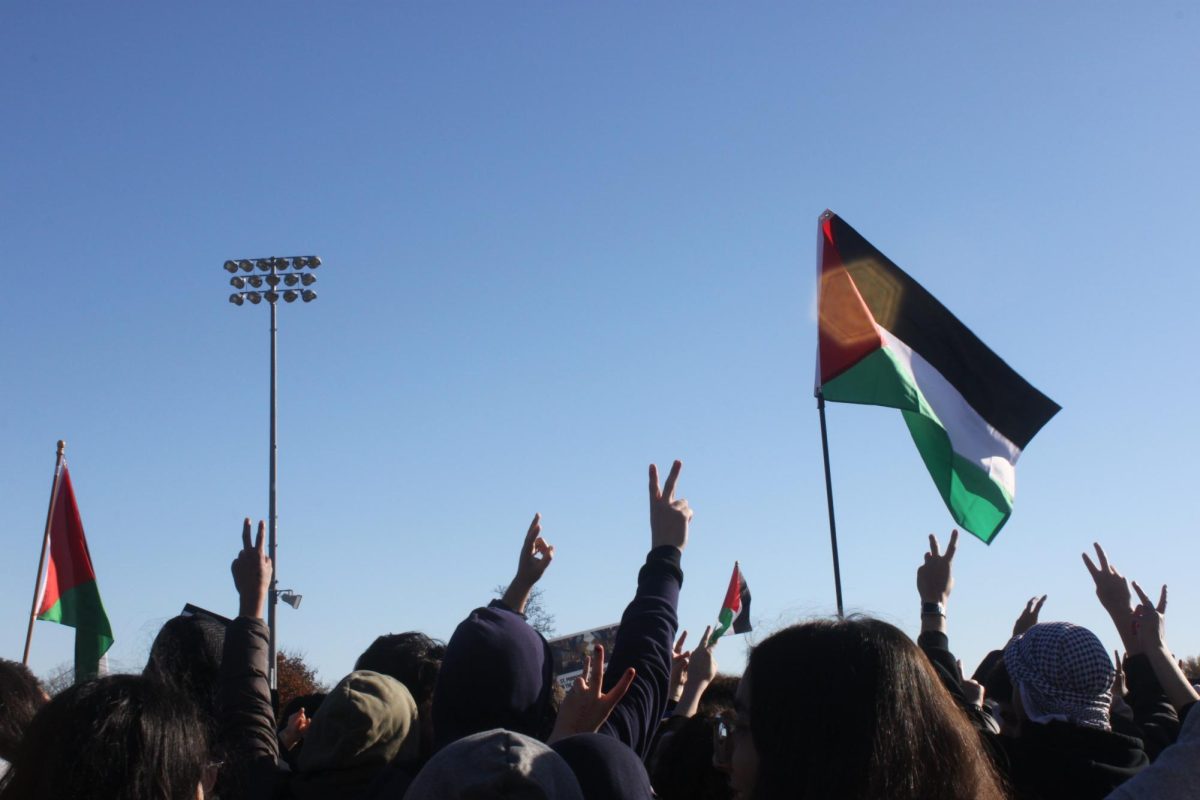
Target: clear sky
{"type": "Point", "coordinates": [562, 241]}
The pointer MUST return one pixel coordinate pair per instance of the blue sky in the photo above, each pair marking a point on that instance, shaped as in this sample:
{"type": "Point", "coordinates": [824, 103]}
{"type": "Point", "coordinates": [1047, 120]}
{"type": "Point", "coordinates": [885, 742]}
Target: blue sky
{"type": "Point", "coordinates": [562, 241]}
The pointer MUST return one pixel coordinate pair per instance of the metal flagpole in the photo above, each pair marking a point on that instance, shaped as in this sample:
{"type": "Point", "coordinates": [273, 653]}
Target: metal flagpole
{"type": "Point", "coordinates": [37, 585]}
{"type": "Point", "coordinates": [837, 569]}
{"type": "Point", "coordinates": [272, 597]}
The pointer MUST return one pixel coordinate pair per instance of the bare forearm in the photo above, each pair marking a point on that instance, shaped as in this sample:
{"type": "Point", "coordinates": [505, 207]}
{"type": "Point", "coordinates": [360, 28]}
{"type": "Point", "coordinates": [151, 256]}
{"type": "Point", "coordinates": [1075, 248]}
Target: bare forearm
{"type": "Point", "coordinates": [516, 596]}
{"type": "Point", "coordinates": [1172, 680]}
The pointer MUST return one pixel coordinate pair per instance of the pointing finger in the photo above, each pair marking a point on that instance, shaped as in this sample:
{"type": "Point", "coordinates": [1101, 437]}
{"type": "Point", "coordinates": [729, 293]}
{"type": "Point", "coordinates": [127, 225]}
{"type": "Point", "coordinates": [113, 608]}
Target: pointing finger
{"type": "Point", "coordinates": [679, 643]}
{"type": "Point", "coordinates": [1038, 608]}
{"type": "Point", "coordinates": [655, 494]}
{"type": "Point", "coordinates": [598, 675]}
{"type": "Point", "coordinates": [1142, 596]}
{"type": "Point", "coordinates": [620, 688]}
{"type": "Point", "coordinates": [953, 546]}
{"type": "Point", "coordinates": [535, 528]}
{"type": "Point", "coordinates": [934, 548]}
{"type": "Point", "coordinates": [246, 534]}
{"type": "Point", "coordinates": [258, 540]}
{"type": "Point", "coordinates": [1162, 600]}
{"type": "Point", "coordinates": [1091, 567]}
{"type": "Point", "coordinates": [1102, 556]}
{"type": "Point", "coordinates": [706, 641]}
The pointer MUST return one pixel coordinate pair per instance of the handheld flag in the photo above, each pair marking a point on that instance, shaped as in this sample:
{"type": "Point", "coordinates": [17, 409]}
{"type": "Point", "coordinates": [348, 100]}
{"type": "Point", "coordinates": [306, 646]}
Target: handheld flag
{"type": "Point", "coordinates": [884, 340]}
{"type": "Point", "coordinates": [736, 610]}
{"type": "Point", "coordinates": [68, 593]}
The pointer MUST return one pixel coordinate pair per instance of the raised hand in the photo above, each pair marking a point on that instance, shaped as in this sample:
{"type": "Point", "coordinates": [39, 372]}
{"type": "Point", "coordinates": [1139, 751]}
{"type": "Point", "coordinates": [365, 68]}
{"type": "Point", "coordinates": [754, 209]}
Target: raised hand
{"type": "Point", "coordinates": [679, 668]}
{"type": "Point", "coordinates": [536, 555]}
{"type": "Point", "coordinates": [1029, 616]}
{"type": "Point", "coordinates": [297, 726]}
{"type": "Point", "coordinates": [1148, 623]}
{"type": "Point", "coordinates": [935, 578]}
{"type": "Point", "coordinates": [1111, 587]}
{"type": "Point", "coordinates": [252, 571]}
{"type": "Point", "coordinates": [586, 707]}
{"type": "Point", "coordinates": [703, 666]}
{"type": "Point", "coordinates": [669, 517]}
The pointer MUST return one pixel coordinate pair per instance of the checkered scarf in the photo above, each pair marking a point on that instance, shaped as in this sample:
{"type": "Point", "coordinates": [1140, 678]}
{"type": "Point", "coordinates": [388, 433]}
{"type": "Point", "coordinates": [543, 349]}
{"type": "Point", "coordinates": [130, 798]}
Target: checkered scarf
{"type": "Point", "coordinates": [1063, 672]}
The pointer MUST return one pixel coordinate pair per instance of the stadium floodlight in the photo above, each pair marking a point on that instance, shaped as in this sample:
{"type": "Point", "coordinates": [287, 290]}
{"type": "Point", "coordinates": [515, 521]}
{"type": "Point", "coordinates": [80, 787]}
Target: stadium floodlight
{"type": "Point", "coordinates": [275, 275]}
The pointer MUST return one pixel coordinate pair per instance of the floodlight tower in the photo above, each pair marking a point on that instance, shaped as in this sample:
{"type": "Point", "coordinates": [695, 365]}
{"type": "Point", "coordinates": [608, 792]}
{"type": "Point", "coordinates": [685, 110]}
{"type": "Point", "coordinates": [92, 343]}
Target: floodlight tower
{"type": "Point", "coordinates": [275, 273]}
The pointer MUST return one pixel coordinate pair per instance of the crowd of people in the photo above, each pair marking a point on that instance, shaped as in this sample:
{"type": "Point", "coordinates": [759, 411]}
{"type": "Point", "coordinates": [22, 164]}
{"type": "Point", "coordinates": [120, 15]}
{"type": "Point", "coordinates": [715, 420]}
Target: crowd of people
{"type": "Point", "coordinates": [828, 708]}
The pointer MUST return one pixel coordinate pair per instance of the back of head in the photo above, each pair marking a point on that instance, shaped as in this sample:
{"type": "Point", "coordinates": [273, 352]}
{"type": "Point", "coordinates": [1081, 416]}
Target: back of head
{"type": "Point", "coordinates": [121, 737]}
{"type": "Point", "coordinates": [851, 708]}
{"type": "Point", "coordinates": [186, 655]}
{"type": "Point", "coordinates": [495, 765]}
{"type": "Point", "coordinates": [1061, 672]}
{"type": "Point", "coordinates": [497, 673]}
{"type": "Point", "coordinates": [683, 765]}
{"type": "Point", "coordinates": [365, 723]}
{"type": "Point", "coordinates": [411, 658]}
{"type": "Point", "coordinates": [605, 767]}
{"type": "Point", "coordinates": [20, 698]}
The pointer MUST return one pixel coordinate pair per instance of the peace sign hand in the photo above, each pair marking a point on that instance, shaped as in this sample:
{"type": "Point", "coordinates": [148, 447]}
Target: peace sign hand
{"type": "Point", "coordinates": [669, 517]}
{"type": "Point", "coordinates": [934, 577]}
{"type": "Point", "coordinates": [1111, 587]}
{"type": "Point", "coordinates": [586, 707]}
{"type": "Point", "coordinates": [252, 572]}
{"type": "Point", "coordinates": [536, 554]}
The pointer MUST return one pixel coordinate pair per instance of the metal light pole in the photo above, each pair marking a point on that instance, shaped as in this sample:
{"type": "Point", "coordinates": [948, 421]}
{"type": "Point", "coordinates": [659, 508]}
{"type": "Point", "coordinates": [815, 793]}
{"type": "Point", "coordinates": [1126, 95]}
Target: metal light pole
{"type": "Point", "coordinates": [275, 273]}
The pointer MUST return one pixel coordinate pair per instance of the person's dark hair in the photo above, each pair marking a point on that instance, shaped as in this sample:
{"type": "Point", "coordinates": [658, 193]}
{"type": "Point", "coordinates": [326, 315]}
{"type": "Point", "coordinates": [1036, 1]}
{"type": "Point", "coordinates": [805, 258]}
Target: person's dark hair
{"type": "Point", "coordinates": [411, 658]}
{"type": "Point", "coordinates": [122, 737]}
{"type": "Point", "coordinates": [719, 695]}
{"type": "Point", "coordinates": [186, 656]}
{"type": "Point", "coordinates": [851, 708]}
{"type": "Point", "coordinates": [20, 698]}
{"type": "Point", "coordinates": [683, 766]}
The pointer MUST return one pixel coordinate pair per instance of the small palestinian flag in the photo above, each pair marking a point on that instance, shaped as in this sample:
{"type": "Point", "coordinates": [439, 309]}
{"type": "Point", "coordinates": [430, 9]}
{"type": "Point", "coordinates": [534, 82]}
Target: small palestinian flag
{"type": "Point", "coordinates": [69, 595]}
{"type": "Point", "coordinates": [886, 341]}
{"type": "Point", "coordinates": [736, 610]}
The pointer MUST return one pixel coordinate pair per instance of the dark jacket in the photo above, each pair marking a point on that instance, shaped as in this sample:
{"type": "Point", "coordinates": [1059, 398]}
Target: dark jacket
{"type": "Point", "coordinates": [245, 717]}
{"type": "Point", "coordinates": [1060, 760]}
{"type": "Point", "coordinates": [645, 641]}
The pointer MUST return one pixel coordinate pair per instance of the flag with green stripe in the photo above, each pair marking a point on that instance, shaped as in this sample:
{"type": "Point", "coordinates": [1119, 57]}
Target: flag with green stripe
{"type": "Point", "coordinates": [735, 611]}
{"type": "Point", "coordinates": [884, 340]}
{"type": "Point", "coordinates": [69, 595]}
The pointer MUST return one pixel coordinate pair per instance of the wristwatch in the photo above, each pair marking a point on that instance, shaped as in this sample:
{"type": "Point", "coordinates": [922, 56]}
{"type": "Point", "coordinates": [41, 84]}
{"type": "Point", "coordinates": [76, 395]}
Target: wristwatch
{"type": "Point", "coordinates": [933, 609]}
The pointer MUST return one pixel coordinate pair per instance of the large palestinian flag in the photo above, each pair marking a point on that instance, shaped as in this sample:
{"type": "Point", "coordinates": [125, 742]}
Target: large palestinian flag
{"type": "Point", "coordinates": [69, 594]}
{"type": "Point", "coordinates": [884, 340]}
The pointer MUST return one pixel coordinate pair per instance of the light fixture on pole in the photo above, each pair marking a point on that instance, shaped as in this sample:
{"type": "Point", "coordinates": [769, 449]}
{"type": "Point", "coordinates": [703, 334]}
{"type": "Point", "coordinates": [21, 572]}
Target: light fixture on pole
{"type": "Point", "coordinates": [277, 271]}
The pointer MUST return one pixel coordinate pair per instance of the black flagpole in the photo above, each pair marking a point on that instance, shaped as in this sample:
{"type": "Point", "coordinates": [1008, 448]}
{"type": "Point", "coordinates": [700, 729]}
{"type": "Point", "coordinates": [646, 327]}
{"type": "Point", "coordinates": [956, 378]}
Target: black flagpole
{"type": "Point", "coordinates": [837, 570]}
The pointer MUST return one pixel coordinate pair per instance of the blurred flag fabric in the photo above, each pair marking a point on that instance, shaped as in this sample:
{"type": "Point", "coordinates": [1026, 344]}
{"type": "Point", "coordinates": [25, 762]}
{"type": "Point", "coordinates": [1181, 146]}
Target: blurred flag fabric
{"type": "Point", "coordinates": [735, 611]}
{"type": "Point", "coordinates": [69, 594]}
{"type": "Point", "coordinates": [884, 340]}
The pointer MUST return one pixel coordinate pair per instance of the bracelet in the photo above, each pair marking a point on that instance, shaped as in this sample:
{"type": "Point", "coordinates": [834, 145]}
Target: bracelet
{"type": "Point", "coordinates": [933, 610]}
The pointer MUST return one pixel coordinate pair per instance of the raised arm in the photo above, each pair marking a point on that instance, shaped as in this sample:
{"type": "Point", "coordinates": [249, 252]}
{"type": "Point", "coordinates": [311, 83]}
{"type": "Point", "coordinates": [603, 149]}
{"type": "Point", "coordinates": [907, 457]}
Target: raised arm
{"type": "Point", "coordinates": [245, 715]}
{"type": "Point", "coordinates": [536, 555]}
{"type": "Point", "coordinates": [1151, 633]}
{"type": "Point", "coordinates": [644, 640]}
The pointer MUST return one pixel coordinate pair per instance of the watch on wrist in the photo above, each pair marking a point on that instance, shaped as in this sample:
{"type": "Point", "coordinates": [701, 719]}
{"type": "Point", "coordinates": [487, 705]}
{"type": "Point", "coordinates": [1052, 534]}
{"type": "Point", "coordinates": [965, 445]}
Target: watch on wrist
{"type": "Point", "coordinates": [933, 610]}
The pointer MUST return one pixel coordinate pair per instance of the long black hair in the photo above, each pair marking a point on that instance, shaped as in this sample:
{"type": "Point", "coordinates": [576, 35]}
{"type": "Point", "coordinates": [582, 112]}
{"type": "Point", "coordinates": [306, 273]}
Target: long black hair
{"type": "Point", "coordinates": [851, 708]}
{"type": "Point", "coordinates": [122, 737]}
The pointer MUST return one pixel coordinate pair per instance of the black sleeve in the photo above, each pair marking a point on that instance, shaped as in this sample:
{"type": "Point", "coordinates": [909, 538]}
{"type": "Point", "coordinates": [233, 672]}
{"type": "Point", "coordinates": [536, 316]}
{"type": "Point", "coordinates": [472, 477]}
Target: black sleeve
{"type": "Point", "coordinates": [1152, 711]}
{"type": "Point", "coordinates": [644, 642]}
{"type": "Point", "coordinates": [936, 646]}
{"type": "Point", "coordinates": [246, 719]}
